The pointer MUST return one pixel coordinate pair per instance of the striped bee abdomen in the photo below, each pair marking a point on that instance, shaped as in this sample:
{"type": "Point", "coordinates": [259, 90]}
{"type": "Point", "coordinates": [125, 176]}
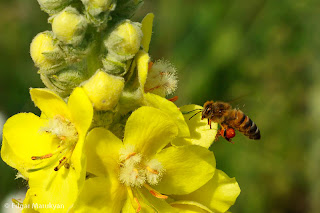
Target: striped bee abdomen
{"type": "Point", "coordinates": [244, 124]}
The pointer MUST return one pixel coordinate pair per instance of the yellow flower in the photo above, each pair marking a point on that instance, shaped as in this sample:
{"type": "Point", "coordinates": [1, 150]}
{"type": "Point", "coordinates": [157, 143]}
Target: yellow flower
{"type": "Point", "coordinates": [217, 196]}
{"type": "Point", "coordinates": [140, 173]}
{"type": "Point", "coordinates": [48, 150]}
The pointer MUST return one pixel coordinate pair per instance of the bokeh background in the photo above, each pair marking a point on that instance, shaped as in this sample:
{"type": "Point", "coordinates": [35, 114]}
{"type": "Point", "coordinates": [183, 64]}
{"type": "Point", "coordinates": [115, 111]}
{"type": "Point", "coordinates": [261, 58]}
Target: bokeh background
{"type": "Point", "coordinates": [262, 55]}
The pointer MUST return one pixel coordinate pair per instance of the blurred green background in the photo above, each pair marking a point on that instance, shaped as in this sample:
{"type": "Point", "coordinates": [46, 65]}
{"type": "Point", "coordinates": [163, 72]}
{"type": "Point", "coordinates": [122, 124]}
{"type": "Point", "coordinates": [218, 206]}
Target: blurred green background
{"type": "Point", "coordinates": [264, 51]}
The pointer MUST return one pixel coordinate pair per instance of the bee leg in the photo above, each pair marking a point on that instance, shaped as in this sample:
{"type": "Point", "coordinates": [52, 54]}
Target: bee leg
{"type": "Point", "coordinates": [209, 123]}
{"type": "Point", "coordinates": [217, 136]}
{"type": "Point", "coordinates": [223, 133]}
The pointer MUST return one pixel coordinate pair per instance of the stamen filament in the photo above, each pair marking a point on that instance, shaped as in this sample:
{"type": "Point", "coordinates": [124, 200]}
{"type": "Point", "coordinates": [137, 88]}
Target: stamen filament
{"type": "Point", "coordinates": [61, 163]}
{"type": "Point", "coordinates": [152, 170]}
{"type": "Point", "coordinates": [64, 160]}
{"type": "Point", "coordinates": [130, 155]}
{"type": "Point", "coordinates": [150, 65]}
{"type": "Point", "coordinates": [154, 192]}
{"type": "Point", "coordinates": [139, 205]}
{"type": "Point", "coordinates": [60, 148]}
{"type": "Point", "coordinates": [42, 157]}
{"type": "Point", "coordinates": [134, 200]}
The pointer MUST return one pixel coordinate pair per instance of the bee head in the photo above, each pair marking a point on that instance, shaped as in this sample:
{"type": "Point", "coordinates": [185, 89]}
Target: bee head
{"type": "Point", "coordinates": [207, 109]}
{"type": "Point", "coordinates": [215, 110]}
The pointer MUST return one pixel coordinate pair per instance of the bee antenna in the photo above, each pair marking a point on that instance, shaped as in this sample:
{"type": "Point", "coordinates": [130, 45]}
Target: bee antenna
{"type": "Point", "coordinates": [191, 111]}
{"type": "Point", "coordinates": [194, 115]}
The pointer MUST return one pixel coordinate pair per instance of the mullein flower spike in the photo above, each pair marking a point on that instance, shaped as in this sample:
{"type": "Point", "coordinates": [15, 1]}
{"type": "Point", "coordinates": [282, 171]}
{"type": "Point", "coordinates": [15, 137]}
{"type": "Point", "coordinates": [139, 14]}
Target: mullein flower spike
{"type": "Point", "coordinates": [107, 139]}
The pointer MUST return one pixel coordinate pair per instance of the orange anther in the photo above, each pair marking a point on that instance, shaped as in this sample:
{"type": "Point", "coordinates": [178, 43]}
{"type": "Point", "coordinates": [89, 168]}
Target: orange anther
{"type": "Point", "coordinates": [63, 138]}
{"type": "Point", "coordinates": [158, 195]}
{"type": "Point", "coordinates": [152, 170]}
{"type": "Point", "coordinates": [130, 155]}
{"type": "Point", "coordinates": [42, 157]}
{"type": "Point", "coordinates": [150, 65]}
{"type": "Point", "coordinates": [173, 99]}
{"type": "Point", "coordinates": [139, 206]}
{"type": "Point", "coordinates": [155, 193]}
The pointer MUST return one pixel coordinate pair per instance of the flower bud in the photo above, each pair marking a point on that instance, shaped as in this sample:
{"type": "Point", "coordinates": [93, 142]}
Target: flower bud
{"type": "Point", "coordinates": [95, 7]}
{"type": "Point", "coordinates": [44, 53]}
{"type": "Point", "coordinates": [69, 26]}
{"type": "Point", "coordinates": [66, 79]}
{"type": "Point", "coordinates": [104, 90]}
{"type": "Point", "coordinates": [124, 41]}
{"type": "Point", "coordinates": [114, 67]}
{"type": "Point", "coordinates": [162, 78]}
{"type": "Point", "coordinates": [53, 6]}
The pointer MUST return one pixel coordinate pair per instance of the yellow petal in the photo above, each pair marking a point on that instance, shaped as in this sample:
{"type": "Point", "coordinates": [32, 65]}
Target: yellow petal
{"type": "Point", "coordinates": [127, 207]}
{"type": "Point", "coordinates": [49, 103]}
{"type": "Point", "coordinates": [190, 207]}
{"type": "Point", "coordinates": [200, 132]}
{"type": "Point", "coordinates": [142, 59]}
{"type": "Point", "coordinates": [27, 203]}
{"type": "Point", "coordinates": [187, 168]}
{"type": "Point", "coordinates": [81, 110]}
{"type": "Point", "coordinates": [57, 188]}
{"type": "Point", "coordinates": [149, 130]}
{"type": "Point", "coordinates": [100, 194]}
{"type": "Point", "coordinates": [157, 204]}
{"type": "Point", "coordinates": [147, 23]}
{"type": "Point", "coordinates": [219, 194]}
{"type": "Point", "coordinates": [170, 109]}
{"type": "Point", "coordinates": [102, 151]}
{"type": "Point", "coordinates": [22, 139]}
{"type": "Point", "coordinates": [60, 187]}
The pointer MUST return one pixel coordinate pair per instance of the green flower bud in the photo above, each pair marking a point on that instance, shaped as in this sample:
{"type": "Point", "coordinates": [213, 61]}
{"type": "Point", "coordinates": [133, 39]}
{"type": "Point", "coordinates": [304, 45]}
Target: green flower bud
{"type": "Point", "coordinates": [124, 41]}
{"type": "Point", "coordinates": [114, 67]}
{"type": "Point", "coordinates": [95, 7]}
{"type": "Point", "coordinates": [44, 53]}
{"type": "Point", "coordinates": [69, 26]}
{"type": "Point", "coordinates": [53, 6]}
{"type": "Point", "coordinates": [104, 90]}
{"type": "Point", "coordinates": [66, 79]}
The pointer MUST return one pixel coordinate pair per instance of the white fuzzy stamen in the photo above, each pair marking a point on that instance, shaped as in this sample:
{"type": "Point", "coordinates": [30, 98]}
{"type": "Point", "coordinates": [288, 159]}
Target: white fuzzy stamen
{"type": "Point", "coordinates": [162, 78]}
{"type": "Point", "coordinates": [134, 172]}
{"type": "Point", "coordinates": [125, 152]}
{"type": "Point", "coordinates": [62, 128]}
{"type": "Point", "coordinates": [154, 171]}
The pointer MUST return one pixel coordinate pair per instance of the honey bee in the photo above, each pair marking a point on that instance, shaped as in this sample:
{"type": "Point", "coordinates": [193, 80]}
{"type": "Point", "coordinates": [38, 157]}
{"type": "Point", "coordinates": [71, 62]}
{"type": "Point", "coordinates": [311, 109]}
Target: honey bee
{"type": "Point", "coordinates": [230, 120]}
